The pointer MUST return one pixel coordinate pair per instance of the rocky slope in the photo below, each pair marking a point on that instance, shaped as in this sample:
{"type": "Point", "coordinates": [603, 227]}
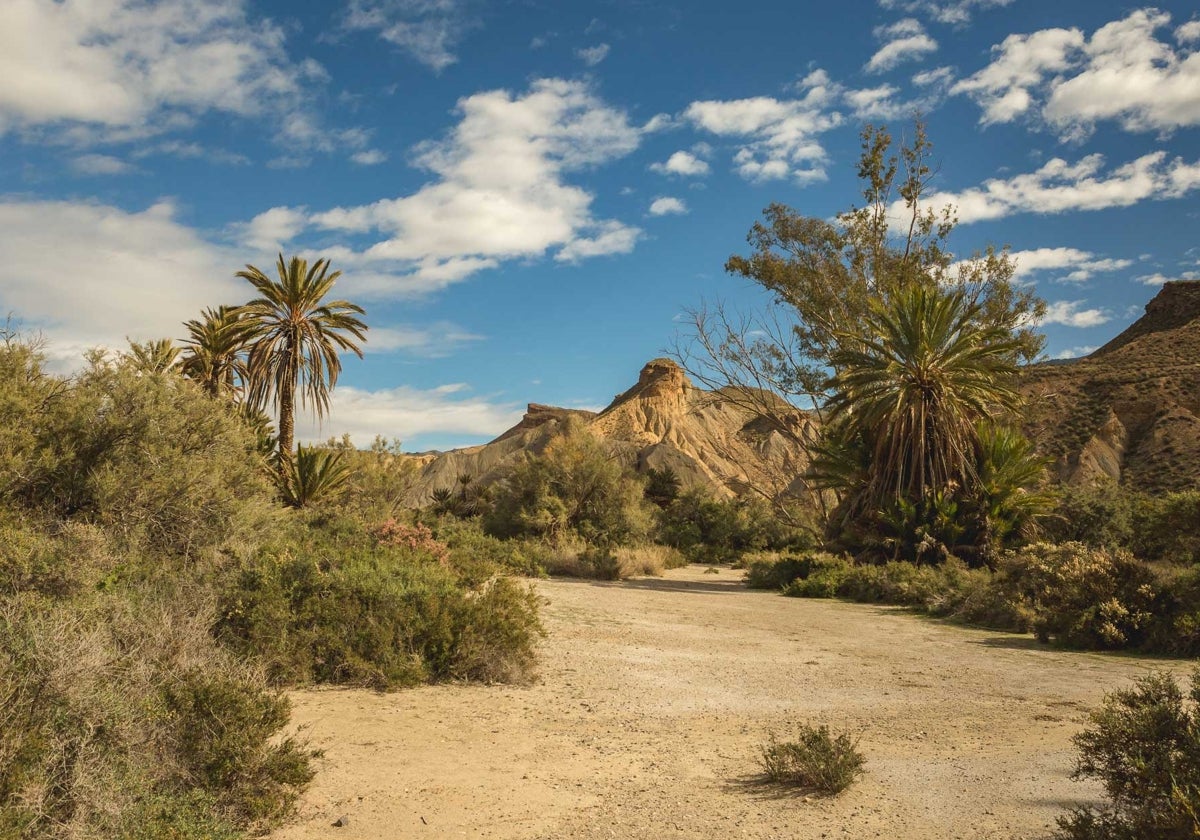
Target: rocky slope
{"type": "Point", "coordinates": [1129, 412]}
{"type": "Point", "coordinates": [663, 421]}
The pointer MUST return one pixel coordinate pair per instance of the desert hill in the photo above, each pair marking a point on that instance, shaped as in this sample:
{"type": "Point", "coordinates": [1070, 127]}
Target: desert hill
{"type": "Point", "coordinates": [1130, 411]}
{"type": "Point", "coordinates": [663, 421]}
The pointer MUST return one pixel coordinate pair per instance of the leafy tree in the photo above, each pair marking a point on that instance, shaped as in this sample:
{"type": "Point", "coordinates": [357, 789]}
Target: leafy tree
{"type": "Point", "coordinates": [826, 279]}
{"type": "Point", "coordinates": [297, 341]}
{"type": "Point", "coordinates": [214, 351]}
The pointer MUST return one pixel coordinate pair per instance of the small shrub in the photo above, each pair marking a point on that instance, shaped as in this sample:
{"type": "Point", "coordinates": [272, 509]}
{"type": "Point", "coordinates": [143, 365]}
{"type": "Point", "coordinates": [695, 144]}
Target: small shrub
{"type": "Point", "coordinates": [816, 761]}
{"type": "Point", "coordinates": [1144, 746]}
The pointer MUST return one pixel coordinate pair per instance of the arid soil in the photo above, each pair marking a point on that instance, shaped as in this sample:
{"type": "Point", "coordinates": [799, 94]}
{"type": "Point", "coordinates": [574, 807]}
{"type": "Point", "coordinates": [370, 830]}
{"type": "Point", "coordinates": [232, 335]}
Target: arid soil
{"type": "Point", "coordinates": [655, 696]}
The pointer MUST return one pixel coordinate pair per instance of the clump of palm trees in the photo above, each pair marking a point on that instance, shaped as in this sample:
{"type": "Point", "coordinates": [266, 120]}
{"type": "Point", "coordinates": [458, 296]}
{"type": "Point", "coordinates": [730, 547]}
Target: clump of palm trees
{"type": "Point", "coordinates": [280, 350]}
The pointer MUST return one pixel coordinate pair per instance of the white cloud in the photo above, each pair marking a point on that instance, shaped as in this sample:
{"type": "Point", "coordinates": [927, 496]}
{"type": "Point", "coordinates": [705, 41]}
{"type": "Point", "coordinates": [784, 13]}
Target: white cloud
{"type": "Point", "coordinates": [100, 165]}
{"type": "Point", "coordinates": [91, 274]}
{"type": "Point", "coordinates": [1123, 73]}
{"type": "Point", "coordinates": [500, 193]}
{"type": "Point", "coordinates": [681, 163]}
{"type": "Point", "coordinates": [591, 56]}
{"type": "Point", "coordinates": [876, 103]}
{"type": "Point", "coordinates": [1059, 186]}
{"type": "Point", "coordinates": [1069, 314]}
{"type": "Point", "coordinates": [369, 157]}
{"type": "Point", "coordinates": [1074, 352]}
{"type": "Point", "coordinates": [1159, 279]}
{"type": "Point", "coordinates": [1188, 33]}
{"type": "Point", "coordinates": [937, 77]}
{"type": "Point", "coordinates": [122, 69]}
{"type": "Point", "coordinates": [1079, 266]}
{"type": "Point", "coordinates": [406, 412]}
{"type": "Point", "coordinates": [667, 205]}
{"type": "Point", "coordinates": [428, 30]}
{"type": "Point", "coordinates": [434, 340]}
{"type": "Point", "coordinates": [272, 229]}
{"type": "Point", "coordinates": [782, 134]}
{"type": "Point", "coordinates": [905, 40]}
{"type": "Point", "coordinates": [943, 11]}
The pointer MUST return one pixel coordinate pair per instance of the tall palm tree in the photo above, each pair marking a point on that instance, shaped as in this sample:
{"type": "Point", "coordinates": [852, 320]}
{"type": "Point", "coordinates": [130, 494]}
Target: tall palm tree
{"type": "Point", "coordinates": [214, 352]}
{"type": "Point", "coordinates": [298, 341]}
{"type": "Point", "coordinates": [914, 383]}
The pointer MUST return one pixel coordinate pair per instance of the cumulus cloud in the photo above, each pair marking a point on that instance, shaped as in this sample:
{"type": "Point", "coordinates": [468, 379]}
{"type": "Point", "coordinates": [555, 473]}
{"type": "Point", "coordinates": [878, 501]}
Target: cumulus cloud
{"type": "Point", "coordinates": [123, 69]}
{"type": "Point", "coordinates": [100, 165]}
{"type": "Point", "coordinates": [591, 56]}
{"type": "Point", "coordinates": [1159, 279]}
{"type": "Point", "coordinates": [1074, 352]}
{"type": "Point", "coordinates": [1060, 186]}
{"type": "Point", "coordinates": [406, 412]}
{"type": "Point", "coordinates": [428, 30]}
{"type": "Point", "coordinates": [500, 193]}
{"type": "Point", "coordinates": [1070, 313]}
{"type": "Point", "coordinates": [681, 163]}
{"type": "Point", "coordinates": [1123, 73]}
{"type": "Point", "coordinates": [956, 12]}
{"type": "Point", "coordinates": [905, 40]}
{"type": "Point", "coordinates": [1069, 264]}
{"type": "Point", "coordinates": [780, 134]}
{"type": "Point", "coordinates": [92, 274]}
{"type": "Point", "coordinates": [667, 205]}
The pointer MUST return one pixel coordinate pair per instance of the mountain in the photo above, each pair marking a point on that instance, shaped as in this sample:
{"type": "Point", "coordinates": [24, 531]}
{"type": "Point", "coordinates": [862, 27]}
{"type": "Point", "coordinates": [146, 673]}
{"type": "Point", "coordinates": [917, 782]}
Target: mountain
{"type": "Point", "coordinates": [1130, 411]}
{"type": "Point", "coordinates": [708, 438]}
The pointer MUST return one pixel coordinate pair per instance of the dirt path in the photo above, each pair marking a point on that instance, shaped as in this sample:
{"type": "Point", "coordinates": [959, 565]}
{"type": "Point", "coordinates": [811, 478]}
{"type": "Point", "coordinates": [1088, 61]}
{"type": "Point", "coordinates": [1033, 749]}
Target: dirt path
{"type": "Point", "coordinates": [655, 695]}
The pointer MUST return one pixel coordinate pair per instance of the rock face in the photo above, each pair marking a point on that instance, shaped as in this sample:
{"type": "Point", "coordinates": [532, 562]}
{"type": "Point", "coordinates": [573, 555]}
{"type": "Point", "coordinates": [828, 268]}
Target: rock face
{"type": "Point", "coordinates": [663, 421]}
{"type": "Point", "coordinates": [1129, 412]}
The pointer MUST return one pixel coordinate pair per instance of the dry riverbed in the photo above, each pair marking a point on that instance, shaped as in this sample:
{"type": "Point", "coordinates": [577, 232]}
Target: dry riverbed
{"type": "Point", "coordinates": [655, 695]}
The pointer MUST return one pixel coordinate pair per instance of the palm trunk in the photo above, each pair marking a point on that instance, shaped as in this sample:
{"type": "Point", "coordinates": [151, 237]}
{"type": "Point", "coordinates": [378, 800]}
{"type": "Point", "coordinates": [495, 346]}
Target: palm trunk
{"type": "Point", "coordinates": [287, 423]}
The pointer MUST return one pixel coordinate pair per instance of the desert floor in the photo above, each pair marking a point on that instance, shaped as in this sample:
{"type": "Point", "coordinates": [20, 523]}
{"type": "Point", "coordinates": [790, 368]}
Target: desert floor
{"type": "Point", "coordinates": [653, 700]}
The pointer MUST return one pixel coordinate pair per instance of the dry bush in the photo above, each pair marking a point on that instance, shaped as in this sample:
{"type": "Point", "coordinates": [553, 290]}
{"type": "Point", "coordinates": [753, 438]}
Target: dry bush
{"type": "Point", "coordinates": [648, 559]}
{"type": "Point", "coordinates": [120, 717]}
{"type": "Point", "coordinates": [817, 761]}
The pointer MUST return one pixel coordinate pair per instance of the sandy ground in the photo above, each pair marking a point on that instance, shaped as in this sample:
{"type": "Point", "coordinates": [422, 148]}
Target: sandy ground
{"type": "Point", "coordinates": [655, 696]}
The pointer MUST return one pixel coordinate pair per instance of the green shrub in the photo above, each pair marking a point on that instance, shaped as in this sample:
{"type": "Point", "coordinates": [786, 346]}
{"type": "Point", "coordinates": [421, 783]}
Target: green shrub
{"type": "Point", "coordinates": [1144, 746]}
{"type": "Point", "coordinates": [710, 530]}
{"type": "Point", "coordinates": [355, 611]}
{"type": "Point", "coordinates": [1168, 528]}
{"type": "Point", "coordinates": [575, 487]}
{"type": "Point", "coordinates": [816, 761]}
{"type": "Point", "coordinates": [120, 717]}
{"type": "Point", "coordinates": [1080, 596]}
{"type": "Point", "coordinates": [1100, 516]}
{"type": "Point", "coordinates": [472, 549]}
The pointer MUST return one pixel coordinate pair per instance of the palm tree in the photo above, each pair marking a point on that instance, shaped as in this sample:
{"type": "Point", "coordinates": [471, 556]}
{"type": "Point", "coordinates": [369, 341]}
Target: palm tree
{"type": "Point", "coordinates": [315, 473]}
{"type": "Point", "coordinates": [297, 342]}
{"type": "Point", "coordinates": [214, 354]}
{"type": "Point", "coordinates": [153, 357]}
{"type": "Point", "coordinates": [914, 384]}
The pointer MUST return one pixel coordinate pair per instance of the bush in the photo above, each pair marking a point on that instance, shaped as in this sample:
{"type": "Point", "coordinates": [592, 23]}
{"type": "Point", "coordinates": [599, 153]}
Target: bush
{"type": "Point", "coordinates": [120, 717]}
{"type": "Point", "coordinates": [1168, 528]}
{"type": "Point", "coordinates": [817, 761]}
{"type": "Point", "coordinates": [710, 530]}
{"type": "Point", "coordinates": [1144, 746]}
{"type": "Point", "coordinates": [343, 608]}
{"type": "Point", "coordinates": [1079, 596]}
{"type": "Point", "coordinates": [576, 487]}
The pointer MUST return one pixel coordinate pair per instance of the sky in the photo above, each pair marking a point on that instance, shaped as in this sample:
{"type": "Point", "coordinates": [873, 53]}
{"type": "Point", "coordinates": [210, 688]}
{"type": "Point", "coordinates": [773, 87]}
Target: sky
{"type": "Point", "coordinates": [527, 196]}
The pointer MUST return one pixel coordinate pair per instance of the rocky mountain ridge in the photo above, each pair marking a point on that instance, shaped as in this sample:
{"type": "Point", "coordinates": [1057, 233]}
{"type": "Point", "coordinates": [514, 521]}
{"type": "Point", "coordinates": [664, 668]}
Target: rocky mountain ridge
{"type": "Point", "coordinates": [1129, 413]}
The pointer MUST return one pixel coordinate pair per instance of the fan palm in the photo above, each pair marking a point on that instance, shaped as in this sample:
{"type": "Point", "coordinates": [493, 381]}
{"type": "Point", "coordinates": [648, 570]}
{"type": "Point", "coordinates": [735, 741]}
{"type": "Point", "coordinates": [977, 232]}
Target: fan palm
{"type": "Point", "coordinates": [298, 340]}
{"type": "Point", "coordinates": [214, 350]}
{"type": "Point", "coordinates": [914, 383]}
{"type": "Point", "coordinates": [314, 474]}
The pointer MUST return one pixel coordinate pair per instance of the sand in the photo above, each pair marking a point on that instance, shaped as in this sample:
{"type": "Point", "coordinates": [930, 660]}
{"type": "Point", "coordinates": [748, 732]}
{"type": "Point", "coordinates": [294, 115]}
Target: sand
{"type": "Point", "coordinates": [654, 698]}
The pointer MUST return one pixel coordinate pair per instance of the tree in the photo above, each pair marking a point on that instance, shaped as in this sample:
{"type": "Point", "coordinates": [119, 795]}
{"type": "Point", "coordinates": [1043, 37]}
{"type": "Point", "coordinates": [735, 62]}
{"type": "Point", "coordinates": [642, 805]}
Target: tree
{"type": "Point", "coordinates": [297, 342]}
{"type": "Point", "coordinates": [214, 351]}
{"type": "Point", "coordinates": [915, 389]}
{"type": "Point", "coordinates": [828, 279]}
{"type": "Point", "coordinates": [153, 357]}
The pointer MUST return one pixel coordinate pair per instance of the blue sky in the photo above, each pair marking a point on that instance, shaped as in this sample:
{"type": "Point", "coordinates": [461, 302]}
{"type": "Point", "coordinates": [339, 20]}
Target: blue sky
{"type": "Point", "coordinates": [525, 196]}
